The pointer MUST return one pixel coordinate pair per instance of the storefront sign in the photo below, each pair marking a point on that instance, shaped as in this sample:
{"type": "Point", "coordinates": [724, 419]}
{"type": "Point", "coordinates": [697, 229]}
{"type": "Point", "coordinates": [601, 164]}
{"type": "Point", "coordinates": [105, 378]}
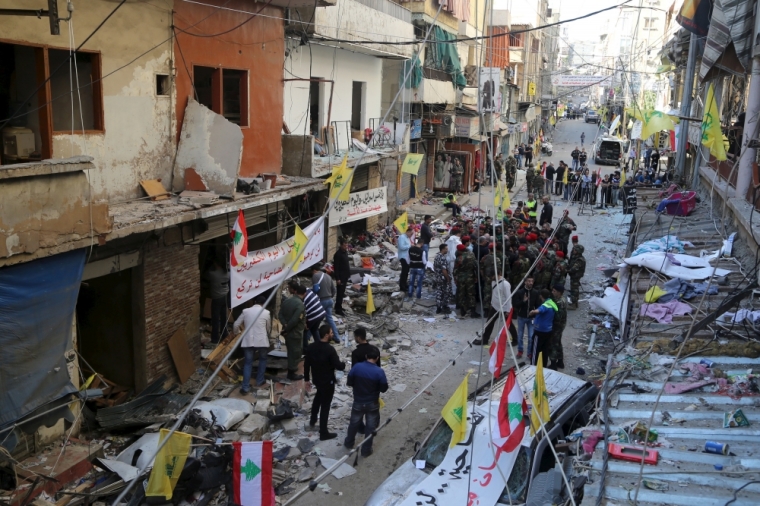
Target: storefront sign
{"type": "Point", "coordinates": [360, 205]}
{"type": "Point", "coordinates": [265, 268]}
{"type": "Point", "coordinates": [412, 163]}
{"type": "Point", "coordinates": [467, 126]}
{"type": "Point", "coordinates": [568, 80]}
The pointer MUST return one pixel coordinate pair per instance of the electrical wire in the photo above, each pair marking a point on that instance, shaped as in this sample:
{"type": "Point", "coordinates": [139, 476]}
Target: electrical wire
{"type": "Point", "coordinates": [224, 32]}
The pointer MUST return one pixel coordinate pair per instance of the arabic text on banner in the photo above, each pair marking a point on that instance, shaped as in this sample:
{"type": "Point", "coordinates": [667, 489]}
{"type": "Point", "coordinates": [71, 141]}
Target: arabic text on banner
{"type": "Point", "coordinates": [359, 205]}
{"type": "Point", "coordinates": [265, 268]}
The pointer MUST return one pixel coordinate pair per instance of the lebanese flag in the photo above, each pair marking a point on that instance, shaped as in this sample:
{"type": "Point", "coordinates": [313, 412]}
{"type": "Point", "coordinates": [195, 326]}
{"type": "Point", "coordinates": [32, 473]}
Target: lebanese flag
{"type": "Point", "coordinates": [509, 427]}
{"type": "Point", "coordinates": [498, 349]}
{"type": "Point", "coordinates": [252, 474]}
{"type": "Point", "coordinates": [599, 177]}
{"type": "Point", "coordinates": [239, 241]}
{"type": "Point", "coordinates": [543, 170]}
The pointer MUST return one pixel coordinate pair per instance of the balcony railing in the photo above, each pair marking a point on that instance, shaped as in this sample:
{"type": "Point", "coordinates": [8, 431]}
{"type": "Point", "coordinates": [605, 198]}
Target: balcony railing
{"type": "Point", "coordinates": [389, 8]}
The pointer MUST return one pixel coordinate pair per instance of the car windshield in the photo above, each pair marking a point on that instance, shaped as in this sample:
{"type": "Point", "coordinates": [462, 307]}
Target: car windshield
{"type": "Point", "coordinates": [434, 451]}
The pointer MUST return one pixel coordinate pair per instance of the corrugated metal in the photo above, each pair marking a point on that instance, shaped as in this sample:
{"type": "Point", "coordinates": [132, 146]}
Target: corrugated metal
{"type": "Point", "coordinates": [360, 182]}
{"type": "Point", "coordinates": [684, 421]}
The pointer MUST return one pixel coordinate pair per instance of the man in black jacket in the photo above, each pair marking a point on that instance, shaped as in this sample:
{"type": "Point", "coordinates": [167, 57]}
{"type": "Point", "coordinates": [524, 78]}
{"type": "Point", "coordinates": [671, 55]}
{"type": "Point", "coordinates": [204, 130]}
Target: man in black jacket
{"type": "Point", "coordinates": [320, 364]}
{"type": "Point", "coordinates": [524, 301]}
{"type": "Point", "coordinates": [362, 347]}
{"type": "Point", "coordinates": [342, 271]}
{"type": "Point", "coordinates": [546, 212]}
{"type": "Point", "coordinates": [426, 234]}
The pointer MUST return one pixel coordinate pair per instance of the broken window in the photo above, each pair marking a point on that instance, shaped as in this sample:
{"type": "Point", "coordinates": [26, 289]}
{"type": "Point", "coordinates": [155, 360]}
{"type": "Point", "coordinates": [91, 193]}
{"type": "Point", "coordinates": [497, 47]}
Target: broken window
{"type": "Point", "coordinates": [224, 91]}
{"type": "Point", "coordinates": [31, 112]}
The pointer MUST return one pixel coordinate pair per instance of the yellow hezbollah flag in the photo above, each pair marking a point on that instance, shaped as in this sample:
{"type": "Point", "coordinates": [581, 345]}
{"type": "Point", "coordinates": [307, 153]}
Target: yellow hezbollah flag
{"type": "Point", "coordinates": [299, 245]}
{"type": "Point", "coordinates": [505, 203]}
{"type": "Point", "coordinates": [497, 195]}
{"type": "Point", "coordinates": [168, 465]}
{"type": "Point", "coordinates": [712, 137]}
{"type": "Point", "coordinates": [370, 300]}
{"type": "Point", "coordinates": [402, 223]}
{"type": "Point", "coordinates": [341, 181]}
{"type": "Point", "coordinates": [412, 163]}
{"type": "Point", "coordinates": [455, 412]}
{"type": "Point", "coordinates": [539, 399]}
{"type": "Point", "coordinates": [564, 175]}
{"type": "Point", "coordinates": [622, 178]}
{"type": "Point", "coordinates": [655, 121]}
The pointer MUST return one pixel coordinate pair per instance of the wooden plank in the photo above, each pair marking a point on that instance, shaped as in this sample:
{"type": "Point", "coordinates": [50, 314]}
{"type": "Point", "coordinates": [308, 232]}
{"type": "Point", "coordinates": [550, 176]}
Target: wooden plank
{"type": "Point", "coordinates": [154, 189]}
{"type": "Point", "coordinates": [183, 360]}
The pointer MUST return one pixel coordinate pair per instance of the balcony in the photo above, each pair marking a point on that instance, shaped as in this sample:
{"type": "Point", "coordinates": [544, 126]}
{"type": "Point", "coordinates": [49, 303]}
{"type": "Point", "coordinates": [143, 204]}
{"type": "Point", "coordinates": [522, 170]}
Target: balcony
{"type": "Point", "coordinates": [432, 90]}
{"type": "Point", "coordinates": [387, 22]}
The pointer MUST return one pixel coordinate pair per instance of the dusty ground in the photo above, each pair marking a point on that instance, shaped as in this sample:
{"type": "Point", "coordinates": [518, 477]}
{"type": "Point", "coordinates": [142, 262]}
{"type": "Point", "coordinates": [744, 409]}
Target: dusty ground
{"type": "Point", "coordinates": [434, 344]}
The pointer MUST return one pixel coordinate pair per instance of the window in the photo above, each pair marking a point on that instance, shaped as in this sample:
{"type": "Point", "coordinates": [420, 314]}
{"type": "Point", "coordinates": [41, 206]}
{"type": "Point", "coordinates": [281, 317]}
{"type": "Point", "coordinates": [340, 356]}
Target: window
{"type": "Point", "coordinates": [35, 111]}
{"type": "Point", "coordinates": [516, 40]}
{"type": "Point", "coordinates": [84, 115]}
{"type": "Point", "coordinates": [224, 91]}
{"type": "Point", "coordinates": [358, 98]}
{"type": "Point", "coordinates": [163, 85]}
{"type": "Point", "coordinates": [534, 45]}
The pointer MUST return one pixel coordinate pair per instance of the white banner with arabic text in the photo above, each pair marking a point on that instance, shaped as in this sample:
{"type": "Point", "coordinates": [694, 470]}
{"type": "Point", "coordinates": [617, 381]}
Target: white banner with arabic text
{"type": "Point", "coordinates": [265, 268]}
{"type": "Point", "coordinates": [360, 205]}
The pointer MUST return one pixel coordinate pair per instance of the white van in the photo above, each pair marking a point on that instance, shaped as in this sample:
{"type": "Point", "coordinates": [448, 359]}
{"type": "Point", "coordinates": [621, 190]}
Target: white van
{"type": "Point", "coordinates": [609, 150]}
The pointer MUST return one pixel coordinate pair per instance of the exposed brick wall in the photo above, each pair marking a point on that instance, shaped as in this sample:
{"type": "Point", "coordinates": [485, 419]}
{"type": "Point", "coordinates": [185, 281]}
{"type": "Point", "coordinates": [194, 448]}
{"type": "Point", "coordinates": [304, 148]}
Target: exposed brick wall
{"type": "Point", "coordinates": [172, 300]}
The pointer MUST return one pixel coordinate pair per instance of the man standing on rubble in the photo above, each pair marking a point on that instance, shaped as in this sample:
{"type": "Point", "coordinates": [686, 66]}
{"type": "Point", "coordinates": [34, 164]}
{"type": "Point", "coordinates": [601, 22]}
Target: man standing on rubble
{"type": "Point", "coordinates": [257, 322]}
{"type": "Point", "coordinates": [452, 242]}
{"type": "Point", "coordinates": [342, 271]}
{"type": "Point", "coordinates": [426, 234]}
{"type": "Point", "coordinates": [556, 353]}
{"type": "Point", "coordinates": [368, 381]}
{"type": "Point", "coordinates": [543, 322]}
{"type": "Point", "coordinates": [362, 347]}
{"type": "Point", "coordinates": [314, 311]}
{"type": "Point", "coordinates": [292, 316]}
{"type": "Point", "coordinates": [320, 364]}
{"type": "Point", "coordinates": [576, 270]}
{"type": "Point", "coordinates": [403, 244]}
{"type": "Point", "coordinates": [324, 287]}
{"type": "Point", "coordinates": [442, 282]}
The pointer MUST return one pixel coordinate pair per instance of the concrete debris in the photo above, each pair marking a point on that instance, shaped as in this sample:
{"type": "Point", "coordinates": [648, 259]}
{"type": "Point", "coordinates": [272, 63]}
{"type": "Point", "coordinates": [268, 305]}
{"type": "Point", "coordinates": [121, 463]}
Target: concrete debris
{"type": "Point", "coordinates": [342, 471]}
{"type": "Point", "coordinates": [255, 425]}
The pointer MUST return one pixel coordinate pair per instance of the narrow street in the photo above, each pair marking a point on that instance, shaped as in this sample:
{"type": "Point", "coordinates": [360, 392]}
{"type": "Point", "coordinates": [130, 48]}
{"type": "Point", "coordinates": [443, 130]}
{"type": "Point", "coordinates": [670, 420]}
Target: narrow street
{"type": "Point", "coordinates": [433, 345]}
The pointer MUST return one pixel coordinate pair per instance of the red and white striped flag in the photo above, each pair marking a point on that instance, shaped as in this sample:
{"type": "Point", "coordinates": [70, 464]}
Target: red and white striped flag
{"type": "Point", "coordinates": [543, 169]}
{"type": "Point", "coordinates": [498, 349]}
{"type": "Point", "coordinates": [239, 241]}
{"type": "Point", "coordinates": [509, 427]}
{"type": "Point", "coordinates": [252, 474]}
{"type": "Point", "coordinates": [599, 177]}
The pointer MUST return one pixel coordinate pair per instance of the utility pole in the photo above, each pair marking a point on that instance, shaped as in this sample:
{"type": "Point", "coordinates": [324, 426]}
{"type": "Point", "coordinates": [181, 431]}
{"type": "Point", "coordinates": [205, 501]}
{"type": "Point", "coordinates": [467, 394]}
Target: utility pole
{"type": "Point", "coordinates": [688, 86]}
{"type": "Point", "coordinates": [748, 154]}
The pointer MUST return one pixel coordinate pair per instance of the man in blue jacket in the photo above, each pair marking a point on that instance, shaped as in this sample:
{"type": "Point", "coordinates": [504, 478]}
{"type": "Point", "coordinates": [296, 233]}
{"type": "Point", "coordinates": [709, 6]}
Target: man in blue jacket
{"type": "Point", "coordinates": [368, 381]}
{"type": "Point", "coordinates": [543, 323]}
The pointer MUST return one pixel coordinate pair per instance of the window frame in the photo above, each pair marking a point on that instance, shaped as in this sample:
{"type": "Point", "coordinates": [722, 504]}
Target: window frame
{"type": "Point", "coordinates": [98, 114]}
{"type": "Point", "coordinates": [44, 94]}
{"type": "Point", "coordinates": [217, 90]}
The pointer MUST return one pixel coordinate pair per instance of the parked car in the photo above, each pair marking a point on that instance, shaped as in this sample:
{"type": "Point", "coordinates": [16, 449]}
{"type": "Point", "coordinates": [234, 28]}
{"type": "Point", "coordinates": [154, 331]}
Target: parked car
{"type": "Point", "coordinates": [592, 117]}
{"type": "Point", "coordinates": [569, 405]}
{"type": "Point", "coordinates": [609, 150]}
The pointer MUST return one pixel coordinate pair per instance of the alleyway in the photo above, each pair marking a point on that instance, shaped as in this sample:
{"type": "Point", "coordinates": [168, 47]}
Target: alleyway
{"type": "Point", "coordinates": [436, 341]}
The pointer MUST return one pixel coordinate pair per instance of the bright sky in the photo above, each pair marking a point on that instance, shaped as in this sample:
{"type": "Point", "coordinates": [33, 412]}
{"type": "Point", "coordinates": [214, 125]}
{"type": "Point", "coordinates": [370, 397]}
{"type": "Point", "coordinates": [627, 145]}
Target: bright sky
{"type": "Point", "coordinates": [584, 29]}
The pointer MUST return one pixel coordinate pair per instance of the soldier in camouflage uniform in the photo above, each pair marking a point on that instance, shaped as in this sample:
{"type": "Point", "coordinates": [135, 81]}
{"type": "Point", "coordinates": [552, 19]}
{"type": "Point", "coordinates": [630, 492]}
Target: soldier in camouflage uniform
{"type": "Point", "coordinates": [489, 266]}
{"type": "Point", "coordinates": [530, 178]}
{"type": "Point", "coordinates": [547, 269]}
{"type": "Point", "coordinates": [466, 278]}
{"type": "Point", "coordinates": [565, 227]}
{"type": "Point", "coordinates": [556, 354]}
{"type": "Point", "coordinates": [519, 268]}
{"type": "Point", "coordinates": [499, 165]}
{"type": "Point", "coordinates": [560, 270]}
{"type": "Point", "coordinates": [511, 171]}
{"type": "Point", "coordinates": [576, 270]}
{"type": "Point", "coordinates": [442, 280]}
{"type": "Point", "coordinates": [532, 249]}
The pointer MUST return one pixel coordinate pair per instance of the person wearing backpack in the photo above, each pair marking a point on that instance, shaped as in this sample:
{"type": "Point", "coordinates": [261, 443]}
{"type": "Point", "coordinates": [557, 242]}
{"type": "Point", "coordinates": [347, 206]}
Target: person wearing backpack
{"type": "Point", "coordinates": [323, 286]}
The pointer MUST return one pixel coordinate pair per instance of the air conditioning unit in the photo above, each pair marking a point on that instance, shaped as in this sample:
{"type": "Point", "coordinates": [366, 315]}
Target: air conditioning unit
{"type": "Point", "coordinates": [18, 142]}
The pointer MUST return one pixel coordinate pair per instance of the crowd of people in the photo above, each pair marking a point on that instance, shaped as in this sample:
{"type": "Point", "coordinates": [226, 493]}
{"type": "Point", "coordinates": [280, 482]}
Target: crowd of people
{"type": "Point", "coordinates": [480, 262]}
